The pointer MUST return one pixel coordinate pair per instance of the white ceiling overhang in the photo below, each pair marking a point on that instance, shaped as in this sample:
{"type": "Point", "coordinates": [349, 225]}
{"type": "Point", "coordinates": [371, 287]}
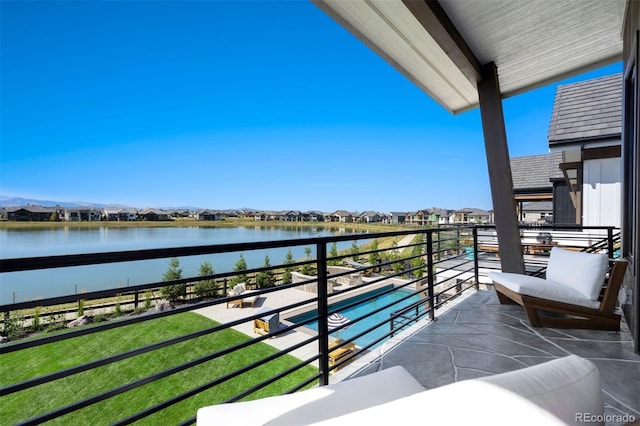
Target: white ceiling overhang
{"type": "Point", "coordinates": [440, 46]}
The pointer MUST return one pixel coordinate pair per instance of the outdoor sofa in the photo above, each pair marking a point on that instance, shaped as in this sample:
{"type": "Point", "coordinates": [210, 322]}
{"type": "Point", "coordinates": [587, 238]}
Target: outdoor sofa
{"type": "Point", "coordinates": [557, 392]}
{"type": "Point", "coordinates": [245, 297]}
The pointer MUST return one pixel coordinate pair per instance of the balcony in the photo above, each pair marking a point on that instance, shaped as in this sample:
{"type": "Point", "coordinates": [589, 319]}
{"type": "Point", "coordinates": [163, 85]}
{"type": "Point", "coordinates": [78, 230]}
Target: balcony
{"type": "Point", "coordinates": [434, 313]}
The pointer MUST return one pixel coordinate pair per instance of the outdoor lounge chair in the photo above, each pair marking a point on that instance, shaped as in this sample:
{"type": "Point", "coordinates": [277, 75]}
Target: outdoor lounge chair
{"type": "Point", "coordinates": [571, 296]}
{"type": "Point", "coordinates": [241, 290]}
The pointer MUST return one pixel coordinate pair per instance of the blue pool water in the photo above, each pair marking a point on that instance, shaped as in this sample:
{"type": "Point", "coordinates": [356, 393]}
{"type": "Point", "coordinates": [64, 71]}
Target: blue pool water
{"type": "Point", "coordinates": [362, 309]}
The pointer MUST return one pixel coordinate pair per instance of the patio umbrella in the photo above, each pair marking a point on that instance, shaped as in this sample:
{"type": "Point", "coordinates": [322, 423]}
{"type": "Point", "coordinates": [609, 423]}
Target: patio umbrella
{"type": "Point", "coordinates": [336, 320]}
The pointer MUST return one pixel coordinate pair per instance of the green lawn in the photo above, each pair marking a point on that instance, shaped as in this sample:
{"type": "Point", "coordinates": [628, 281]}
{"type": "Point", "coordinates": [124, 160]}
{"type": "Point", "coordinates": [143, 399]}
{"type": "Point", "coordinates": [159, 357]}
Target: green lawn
{"type": "Point", "coordinates": [25, 364]}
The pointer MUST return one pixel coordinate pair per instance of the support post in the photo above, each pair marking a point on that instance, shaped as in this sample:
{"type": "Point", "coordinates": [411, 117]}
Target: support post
{"type": "Point", "coordinates": [495, 140]}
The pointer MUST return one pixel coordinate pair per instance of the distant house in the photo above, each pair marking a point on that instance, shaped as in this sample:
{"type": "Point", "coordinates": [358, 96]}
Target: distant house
{"type": "Point", "coordinates": [470, 215]}
{"type": "Point", "coordinates": [438, 216]}
{"type": "Point", "coordinates": [370, 217]}
{"type": "Point", "coordinates": [34, 213]}
{"type": "Point", "coordinates": [418, 218]}
{"type": "Point", "coordinates": [82, 214]}
{"type": "Point", "coordinates": [342, 216]}
{"type": "Point", "coordinates": [153, 215]}
{"type": "Point", "coordinates": [292, 216]}
{"type": "Point", "coordinates": [315, 216]}
{"type": "Point", "coordinates": [398, 218]}
{"type": "Point", "coordinates": [208, 215]}
{"type": "Point", "coordinates": [120, 214]}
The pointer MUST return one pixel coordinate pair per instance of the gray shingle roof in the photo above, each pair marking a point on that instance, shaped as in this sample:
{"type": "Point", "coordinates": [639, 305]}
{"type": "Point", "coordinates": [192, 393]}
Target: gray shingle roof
{"type": "Point", "coordinates": [535, 172]}
{"type": "Point", "coordinates": [587, 110]}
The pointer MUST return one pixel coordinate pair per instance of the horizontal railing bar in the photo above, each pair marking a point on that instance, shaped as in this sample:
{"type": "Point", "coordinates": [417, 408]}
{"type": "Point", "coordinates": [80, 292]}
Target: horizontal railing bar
{"type": "Point", "coordinates": [67, 260]}
{"type": "Point", "coordinates": [181, 397]}
{"type": "Point", "coordinates": [12, 347]}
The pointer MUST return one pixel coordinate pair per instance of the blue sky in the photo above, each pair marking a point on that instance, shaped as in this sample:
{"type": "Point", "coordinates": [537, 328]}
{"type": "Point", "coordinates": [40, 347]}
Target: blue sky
{"type": "Point", "coordinates": [264, 104]}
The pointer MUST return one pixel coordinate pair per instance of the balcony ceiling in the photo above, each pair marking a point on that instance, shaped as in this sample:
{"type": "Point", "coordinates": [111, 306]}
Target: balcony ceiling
{"type": "Point", "coordinates": [440, 46]}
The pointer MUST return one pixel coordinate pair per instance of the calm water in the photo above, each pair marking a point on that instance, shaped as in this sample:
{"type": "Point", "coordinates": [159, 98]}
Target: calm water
{"type": "Point", "coordinates": [363, 309]}
{"type": "Point", "coordinates": [20, 286]}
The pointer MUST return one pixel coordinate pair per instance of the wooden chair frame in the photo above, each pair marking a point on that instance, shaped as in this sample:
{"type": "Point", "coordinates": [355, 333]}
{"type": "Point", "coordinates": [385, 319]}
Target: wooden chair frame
{"type": "Point", "coordinates": [575, 316]}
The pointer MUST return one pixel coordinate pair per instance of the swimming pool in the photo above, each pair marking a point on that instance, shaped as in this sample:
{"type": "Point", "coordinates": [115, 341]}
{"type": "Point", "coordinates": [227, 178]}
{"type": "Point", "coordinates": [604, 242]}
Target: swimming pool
{"type": "Point", "coordinates": [362, 309]}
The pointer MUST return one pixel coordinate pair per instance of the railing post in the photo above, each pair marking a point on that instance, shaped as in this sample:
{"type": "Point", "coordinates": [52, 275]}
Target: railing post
{"type": "Point", "coordinates": [610, 242]}
{"type": "Point", "coordinates": [475, 258]}
{"type": "Point", "coordinates": [323, 312]}
{"type": "Point", "coordinates": [432, 307]}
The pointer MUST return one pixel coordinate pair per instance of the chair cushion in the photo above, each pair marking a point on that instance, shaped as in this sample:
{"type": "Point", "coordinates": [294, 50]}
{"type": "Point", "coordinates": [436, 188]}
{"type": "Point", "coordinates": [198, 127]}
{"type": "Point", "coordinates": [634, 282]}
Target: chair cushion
{"type": "Point", "coordinates": [544, 289]}
{"type": "Point", "coordinates": [239, 289]}
{"type": "Point", "coordinates": [582, 272]}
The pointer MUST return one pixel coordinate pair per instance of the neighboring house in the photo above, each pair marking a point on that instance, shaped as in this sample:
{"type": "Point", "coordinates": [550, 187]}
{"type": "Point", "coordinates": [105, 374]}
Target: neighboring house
{"type": "Point", "coordinates": [537, 212]}
{"type": "Point", "coordinates": [536, 178]}
{"type": "Point", "coordinates": [33, 213]}
{"type": "Point", "coordinates": [586, 129]}
{"type": "Point", "coordinates": [582, 174]}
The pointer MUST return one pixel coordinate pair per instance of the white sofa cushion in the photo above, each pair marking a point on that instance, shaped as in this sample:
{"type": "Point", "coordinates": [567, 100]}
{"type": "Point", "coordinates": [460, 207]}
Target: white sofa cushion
{"type": "Point", "coordinates": [469, 402]}
{"type": "Point", "coordinates": [582, 272]}
{"type": "Point", "coordinates": [315, 404]}
{"type": "Point", "coordinates": [564, 387]}
{"type": "Point", "coordinates": [553, 393]}
{"type": "Point", "coordinates": [544, 289]}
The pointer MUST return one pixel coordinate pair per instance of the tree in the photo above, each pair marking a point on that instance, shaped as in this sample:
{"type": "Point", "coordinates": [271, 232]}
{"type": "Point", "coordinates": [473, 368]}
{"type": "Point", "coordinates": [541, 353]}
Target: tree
{"type": "Point", "coordinates": [374, 258]}
{"type": "Point", "coordinates": [307, 269]}
{"type": "Point", "coordinates": [333, 253]}
{"type": "Point", "coordinates": [286, 275]}
{"type": "Point", "coordinates": [418, 262]}
{"type": "Point", "coordinates": [266, 279]}
{"type": "Point", "coordinates": [174, 272]}
{"type": "Point", "coordinates": [205, 288]}
{"type": "Point", "coordinates": [354, 251]}
{"type": "Point", "coordinates": [240, 266]}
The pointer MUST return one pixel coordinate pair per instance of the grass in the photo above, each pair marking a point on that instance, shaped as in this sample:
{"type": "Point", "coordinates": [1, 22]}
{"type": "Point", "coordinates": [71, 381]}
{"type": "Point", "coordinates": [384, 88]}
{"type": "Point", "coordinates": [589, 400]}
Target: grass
{"type": "Point", "coordinates": [44, 359]}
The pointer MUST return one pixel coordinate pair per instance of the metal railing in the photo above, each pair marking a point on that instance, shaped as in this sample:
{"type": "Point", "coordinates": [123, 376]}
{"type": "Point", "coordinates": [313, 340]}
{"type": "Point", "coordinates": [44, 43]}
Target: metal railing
{"type": "Point", "coordinates": [422, 269]}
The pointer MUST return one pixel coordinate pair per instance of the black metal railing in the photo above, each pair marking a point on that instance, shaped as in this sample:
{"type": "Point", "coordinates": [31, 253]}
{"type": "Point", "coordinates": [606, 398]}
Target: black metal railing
{"type": "Point", "coordinates": [423, 269]}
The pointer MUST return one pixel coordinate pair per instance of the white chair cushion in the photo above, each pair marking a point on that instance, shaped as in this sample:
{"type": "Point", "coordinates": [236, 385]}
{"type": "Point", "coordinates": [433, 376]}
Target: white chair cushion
{"type": "Point", "coordinates": [239, 289]}
{"type": "Point", "coordinates": [544, 289]}
{"type": "Point", "coordinates": [582, 272]}
{"type": "Point", "coordinates": [315, 404]}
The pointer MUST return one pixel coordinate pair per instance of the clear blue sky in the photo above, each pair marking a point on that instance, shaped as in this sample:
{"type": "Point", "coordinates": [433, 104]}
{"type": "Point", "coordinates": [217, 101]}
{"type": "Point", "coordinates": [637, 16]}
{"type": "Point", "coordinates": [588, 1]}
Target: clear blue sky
{"type": "Point", "coordinates": [268, 105]}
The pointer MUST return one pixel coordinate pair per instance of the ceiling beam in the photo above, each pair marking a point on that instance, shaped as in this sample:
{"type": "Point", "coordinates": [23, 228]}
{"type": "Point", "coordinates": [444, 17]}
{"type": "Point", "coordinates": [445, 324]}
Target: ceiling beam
{"type": "Point", "coordinates": [436, 22]}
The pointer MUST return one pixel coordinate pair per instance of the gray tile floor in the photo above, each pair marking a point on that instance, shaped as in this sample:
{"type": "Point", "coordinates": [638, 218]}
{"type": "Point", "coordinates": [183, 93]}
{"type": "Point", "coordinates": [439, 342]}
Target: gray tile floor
{"type": "Point", "coordinates": [479, 337]}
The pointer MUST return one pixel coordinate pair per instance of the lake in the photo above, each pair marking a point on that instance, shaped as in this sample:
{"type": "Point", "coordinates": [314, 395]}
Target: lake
{"type": "Point", "coordinates": [22, 286]}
